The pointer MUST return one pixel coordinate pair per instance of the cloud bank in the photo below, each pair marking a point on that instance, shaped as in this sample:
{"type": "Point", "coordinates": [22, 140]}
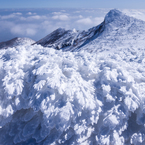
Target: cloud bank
{"type": "Point", "coordinates": [37, 23]}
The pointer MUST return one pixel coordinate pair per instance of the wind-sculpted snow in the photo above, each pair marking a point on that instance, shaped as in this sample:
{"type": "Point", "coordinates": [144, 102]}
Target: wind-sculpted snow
{"type": "Point", "coordinates": [54, 97]}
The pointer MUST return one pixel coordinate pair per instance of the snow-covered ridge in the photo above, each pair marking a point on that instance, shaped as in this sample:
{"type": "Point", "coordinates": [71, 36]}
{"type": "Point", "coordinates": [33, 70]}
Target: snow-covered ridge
{"type": "Point", "coordinates": [70, 40]}
{"type": "Point", "coordinates": [16, 42]}
{"type": "Point", "coordinates": [116, 29]}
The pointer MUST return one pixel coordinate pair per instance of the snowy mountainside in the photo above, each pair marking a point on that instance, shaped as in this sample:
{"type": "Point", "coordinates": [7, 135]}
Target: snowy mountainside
{"type": "Point", "coordinates": [70, 40]}
{"type": "Point", "coordinates": [117, 30]}
{"type": "Point", "coordinates": [15, 42]}
{"type": "Point", "coordinates": [121, 32]}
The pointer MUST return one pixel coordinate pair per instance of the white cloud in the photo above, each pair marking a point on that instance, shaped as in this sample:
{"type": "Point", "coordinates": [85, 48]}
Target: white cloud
{"type": "Point", "coordinates": [5, 24]}
{"type": "Point", "coordinates": [62, 17]}
{"type": "Point", "coordinates": [18, 13]}
{"type": "Point", "coordinates": [63, 10]}
{"type": "Point", "coordinates": [35, 17]}
{"type": "Point", "coordinates": [30, 13]}
{"type": "Point", "coordinates": [13, 15]}
{"type": "Point", "coordinates": [139, 14]}
{"type": "Point", "coordinates": [85, 21]}
{"type": "Point", "coordinates": [56, 13]}
{"type": "Point", "coordinates": [89, 11]}
{"type": "Point", "coordinates": [77, 12]}
{"type": "Point", "coordinates": [17, 30]}
{"type": "Point", "coordinates": [28, 30]}
{"type": "Point", "coordinates": [80, 16]}
{"type": "Point", "coordinates": [98, 20]}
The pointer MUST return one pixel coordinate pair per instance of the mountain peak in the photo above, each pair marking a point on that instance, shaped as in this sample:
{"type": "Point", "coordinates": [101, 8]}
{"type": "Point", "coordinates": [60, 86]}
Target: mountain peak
{"type": "Point", "coordinates": [60, 30]}
{"type": "Point", "coordinates": [115, 24]}
{"type": "Point", "coordinates": [113, 15]}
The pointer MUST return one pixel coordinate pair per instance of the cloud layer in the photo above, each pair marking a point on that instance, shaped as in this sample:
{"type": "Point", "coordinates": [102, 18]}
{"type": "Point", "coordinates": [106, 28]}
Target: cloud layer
{"type": "Point", "coordinates": [37, 23]}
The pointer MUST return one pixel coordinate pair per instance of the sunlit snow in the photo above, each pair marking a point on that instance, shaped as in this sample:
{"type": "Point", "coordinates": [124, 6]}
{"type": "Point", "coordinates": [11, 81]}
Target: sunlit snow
{"type": "Point", "coordinates": [49, 96]}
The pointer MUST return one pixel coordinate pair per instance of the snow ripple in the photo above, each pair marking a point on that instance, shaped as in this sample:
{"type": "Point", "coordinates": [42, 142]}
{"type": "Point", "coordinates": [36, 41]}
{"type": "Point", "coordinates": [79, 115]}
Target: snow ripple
{"type": "Point", "coordinates": [54, 97]}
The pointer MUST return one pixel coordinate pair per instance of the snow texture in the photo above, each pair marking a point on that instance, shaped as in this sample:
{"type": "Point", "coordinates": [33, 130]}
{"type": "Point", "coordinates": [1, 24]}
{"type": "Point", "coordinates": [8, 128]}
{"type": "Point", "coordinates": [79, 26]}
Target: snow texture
{"type": "Point", "coordinates": [50, 97]}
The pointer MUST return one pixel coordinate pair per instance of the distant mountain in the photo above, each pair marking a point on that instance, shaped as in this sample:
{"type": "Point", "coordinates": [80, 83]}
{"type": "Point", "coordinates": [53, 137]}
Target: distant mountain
{"type": "Point", "coordinates": [70, 39]}
{"type": "Point", "coordinates": [16, 42]}
{"type": "Point", "coordinates": [117, 29]}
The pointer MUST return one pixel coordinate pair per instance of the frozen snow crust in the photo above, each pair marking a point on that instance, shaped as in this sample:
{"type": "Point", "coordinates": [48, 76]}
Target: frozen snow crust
{"type": "Point", "coordinates": [54, 97]}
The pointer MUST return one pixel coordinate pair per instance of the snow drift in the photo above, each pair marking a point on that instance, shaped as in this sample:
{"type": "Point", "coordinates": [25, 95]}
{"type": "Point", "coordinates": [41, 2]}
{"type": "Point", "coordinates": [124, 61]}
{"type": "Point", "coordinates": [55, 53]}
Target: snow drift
{"type": "Point", "coordinates": [54, 97]}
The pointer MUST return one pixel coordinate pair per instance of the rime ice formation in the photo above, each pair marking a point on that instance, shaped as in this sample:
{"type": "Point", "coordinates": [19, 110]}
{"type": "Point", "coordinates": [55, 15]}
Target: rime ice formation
{"type": "Point", "coordinates": [51, 97]}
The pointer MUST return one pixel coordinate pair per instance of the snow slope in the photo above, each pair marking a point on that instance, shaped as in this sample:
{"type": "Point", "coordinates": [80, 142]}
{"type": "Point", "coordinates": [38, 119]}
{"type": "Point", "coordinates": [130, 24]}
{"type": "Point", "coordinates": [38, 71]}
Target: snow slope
{"type": "Point", "coordinates": [121, 32]}
{"type": "Point", "coordinates": [16, 42]}
{"type": "Point", "coordinates": [74, 98]}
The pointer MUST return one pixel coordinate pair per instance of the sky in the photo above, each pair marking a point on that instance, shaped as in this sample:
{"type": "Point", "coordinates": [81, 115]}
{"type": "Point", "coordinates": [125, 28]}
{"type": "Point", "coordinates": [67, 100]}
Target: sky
{"type": "Point", "coordinates": [130, 4]}
{"type": "Point", "coordinates": [37, 23]}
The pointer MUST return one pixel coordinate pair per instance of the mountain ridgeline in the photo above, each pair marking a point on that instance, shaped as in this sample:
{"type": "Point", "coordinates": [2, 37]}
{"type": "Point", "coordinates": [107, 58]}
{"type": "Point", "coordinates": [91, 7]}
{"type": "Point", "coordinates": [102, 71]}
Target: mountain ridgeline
{"type": "Point", "coordinates": [117, 30]}
{"type": "Point", "coordinates": [113, 31]}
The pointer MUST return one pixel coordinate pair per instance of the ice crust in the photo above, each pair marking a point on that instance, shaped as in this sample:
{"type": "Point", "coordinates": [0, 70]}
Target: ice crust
{"type": "Point", "coordinates": [54, 97]}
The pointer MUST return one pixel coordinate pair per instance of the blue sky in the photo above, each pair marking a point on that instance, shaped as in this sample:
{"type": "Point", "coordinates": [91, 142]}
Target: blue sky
{"type": "Point", "coordinates": [134, 4]}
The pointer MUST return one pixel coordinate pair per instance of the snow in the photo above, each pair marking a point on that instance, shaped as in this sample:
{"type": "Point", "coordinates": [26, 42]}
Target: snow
{"type": "Point", "coordinates": [116, 31]}
{"type": "Point", "coordinates": [16, 42]}
{"type": "Point", "coordinates": [54, 97]}
{"type": "Point", "coordinates": [49, 96]}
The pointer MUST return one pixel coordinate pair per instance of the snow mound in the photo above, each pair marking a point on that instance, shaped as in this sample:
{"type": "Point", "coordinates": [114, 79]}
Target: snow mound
{"type": "Point", "coordinates": [16, 42]}
{"type": "Point", "coordinates": [54, 97]}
